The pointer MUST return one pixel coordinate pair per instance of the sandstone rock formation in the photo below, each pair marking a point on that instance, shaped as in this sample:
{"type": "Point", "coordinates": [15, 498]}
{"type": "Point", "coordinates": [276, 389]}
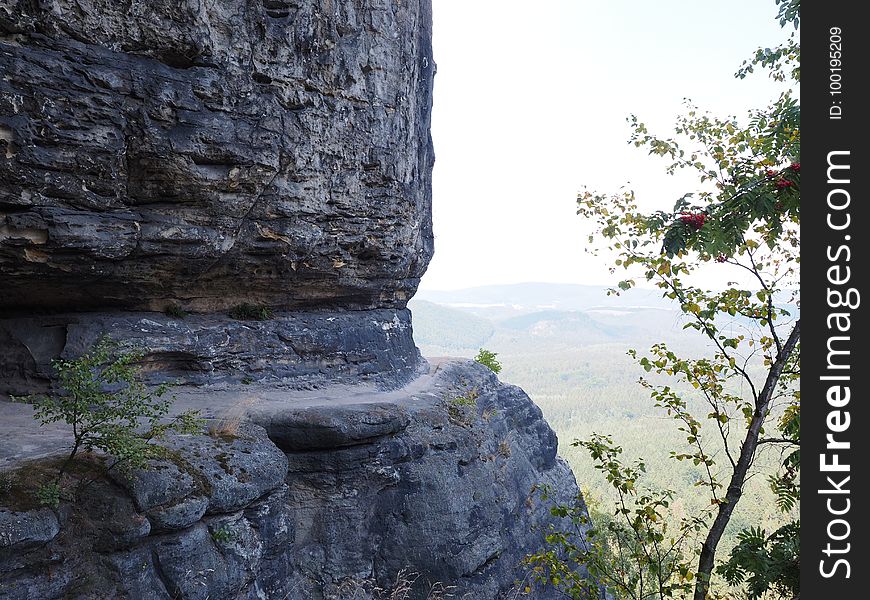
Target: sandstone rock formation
{"type": "Point", "coordinates": [175, 154]}
{"type": "Point", "coordinates": [419, 483]}
{"type": "Point", "coordinates": [207, 154]}
{"type": "Point", "coordinates": [298, 348]}
{"type": "Point", "coordinates": [242, 189]}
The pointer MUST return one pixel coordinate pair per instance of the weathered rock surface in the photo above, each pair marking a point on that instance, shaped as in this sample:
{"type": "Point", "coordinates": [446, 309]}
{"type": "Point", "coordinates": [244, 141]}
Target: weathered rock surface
{"type": "Point", "coordinates": [25, 530]}
{"type": "Point", "coordinates": [176, 156]}
{"type": "Point", "coordinates": [302, 348]}
{"type": "Point", "coordinates": [207, 154]}
{"type": "Point", "coordinates": [444, 490]}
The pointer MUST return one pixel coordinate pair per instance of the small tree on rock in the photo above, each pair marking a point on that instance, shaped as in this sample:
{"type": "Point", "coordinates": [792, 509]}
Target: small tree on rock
{"type": "Point", "coordinates": [109, 409]}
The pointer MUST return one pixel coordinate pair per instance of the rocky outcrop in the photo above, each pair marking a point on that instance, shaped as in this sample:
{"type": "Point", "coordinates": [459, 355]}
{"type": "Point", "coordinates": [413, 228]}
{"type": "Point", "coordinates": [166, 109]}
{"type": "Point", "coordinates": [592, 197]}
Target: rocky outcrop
{"type": "Point", "coordinates": [207, 154]}
{"type": "Point", "coordinates": [241, 190]}
{"type": "Point", "coordinates": [194, 158]}
{"type": "Point", "coordinates": [436, 481]}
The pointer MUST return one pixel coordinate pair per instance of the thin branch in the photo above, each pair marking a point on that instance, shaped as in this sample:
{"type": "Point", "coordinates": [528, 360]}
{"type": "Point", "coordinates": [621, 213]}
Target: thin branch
{"type": "Point", "coordinates": [769, 297]}
{"type": "Point", "coordinates": [778, 441]}
{"type": "Point", "coordinates": [712, 336]}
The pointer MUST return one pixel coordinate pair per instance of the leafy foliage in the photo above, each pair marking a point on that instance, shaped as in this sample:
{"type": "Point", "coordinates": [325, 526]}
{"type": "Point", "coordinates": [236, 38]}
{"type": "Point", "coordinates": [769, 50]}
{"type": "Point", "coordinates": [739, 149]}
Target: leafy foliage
{"type": "Point", "coordinates": [633, 551]}
{"type": "Point", "coordinates": [786, 482]}
{"type": "Point", "coordinates": [488, 359]}
{"type": "Point", "coordinates": [766, 562]}
{"type": "Point", "coordinates": [460, 409]}
{"type": "Point", "coordinates": [744, 215]}
{"type": "Point", "coordinates": [772, 562]}
{"type": "Point", "coordinates": [48, 494]}
{"type": "Point", "coordinates": [467, 399]}
{"type": "Point", "coordinates": [223, 535]}
{"type": "Point", "coordinates": [108, 408]}
{"type": "Point", "coordinates": [250, 312]}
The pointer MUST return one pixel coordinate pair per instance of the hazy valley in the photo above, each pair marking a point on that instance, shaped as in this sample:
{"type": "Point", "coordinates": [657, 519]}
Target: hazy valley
{"type": "Point", "coordinates": [567, 345]}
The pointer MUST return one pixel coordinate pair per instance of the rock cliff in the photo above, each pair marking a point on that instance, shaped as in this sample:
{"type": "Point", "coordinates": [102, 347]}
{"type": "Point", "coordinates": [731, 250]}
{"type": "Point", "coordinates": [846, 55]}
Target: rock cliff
{"type": "Point", "coordinates": [314, 498]}
{"type": "Point", "coordinates": [242, 190]}
{"type": "Point", "coordinates": [200, 157]}
{"type": "Point", "coordinates": [207, 154]}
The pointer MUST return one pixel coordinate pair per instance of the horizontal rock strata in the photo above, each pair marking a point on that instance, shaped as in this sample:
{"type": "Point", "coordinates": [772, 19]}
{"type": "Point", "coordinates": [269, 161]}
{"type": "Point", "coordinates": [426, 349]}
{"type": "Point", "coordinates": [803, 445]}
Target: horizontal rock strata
{"type": "Point", "coordinates": [207, 154]}
{"type": "Point", "coordinates": [302, 348]}
{"type": "Point", "coordinates": [428, 484]}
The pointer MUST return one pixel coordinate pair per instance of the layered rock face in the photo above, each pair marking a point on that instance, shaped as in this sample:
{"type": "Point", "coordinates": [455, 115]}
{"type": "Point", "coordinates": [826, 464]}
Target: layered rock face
{"type": "Point", "coordinates": [203, 156]}
{"type": "Point", "coordinates": [297, 349]}
{"type": "Point", "coordinates": [321, 500]}
{"type": "Point", "coordinates": [241, 189]}
{"type": "Point", "coordinates": [173, 151]}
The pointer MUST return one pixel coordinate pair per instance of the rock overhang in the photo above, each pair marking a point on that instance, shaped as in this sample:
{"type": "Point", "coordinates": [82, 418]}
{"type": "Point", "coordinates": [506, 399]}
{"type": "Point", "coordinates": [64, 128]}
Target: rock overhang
{"type": "Point", "coordinates": [168, 153]}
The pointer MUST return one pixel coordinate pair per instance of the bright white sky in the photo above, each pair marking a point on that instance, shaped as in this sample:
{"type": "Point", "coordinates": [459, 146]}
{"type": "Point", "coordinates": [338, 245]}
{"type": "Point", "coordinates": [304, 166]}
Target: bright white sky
{"type": "Point", "coordinates": [530, 105]}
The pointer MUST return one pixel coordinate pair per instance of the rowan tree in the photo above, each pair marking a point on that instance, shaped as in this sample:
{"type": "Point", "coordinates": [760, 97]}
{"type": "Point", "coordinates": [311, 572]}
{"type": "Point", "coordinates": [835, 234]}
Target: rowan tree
{"type": "Point", "coordinates": [742, 218]}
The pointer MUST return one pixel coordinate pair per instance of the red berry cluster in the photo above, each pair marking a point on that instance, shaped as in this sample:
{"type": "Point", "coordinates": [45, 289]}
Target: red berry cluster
{"type": "Point", "coordinates": [721, 258]}
{"type": "Point", "coordinates": [694, 220]}
{"type": "Point", "coordinates": [781, 183]}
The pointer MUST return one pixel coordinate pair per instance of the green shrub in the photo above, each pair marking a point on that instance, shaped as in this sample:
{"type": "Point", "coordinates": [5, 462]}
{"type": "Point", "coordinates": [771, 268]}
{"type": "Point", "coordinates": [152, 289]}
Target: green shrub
{"type": "Point", "coordinates": [488, 359]}
{"type": "Point", "coordinates": [175, 311]}
{"type": "Point", "coordinates": [108, 408]}
{"type": "Point", "coordinates": [48, 495]}
{"type": "Point", "coordinates": [467, 399]}
{"type": "Point", "coordinates": [633, 550]}
{"type": "Point", "coordinates": [250, 312]}
{"type": "Point", "coordinates": [223, 535]}
{"type": "Point", "coordinates": [460, 408]}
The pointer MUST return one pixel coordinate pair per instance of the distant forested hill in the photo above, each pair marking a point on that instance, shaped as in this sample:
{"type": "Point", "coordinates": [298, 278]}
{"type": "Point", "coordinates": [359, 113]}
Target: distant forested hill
{"type": "Point", "coordinates": [566, 346]}
{"type": "Point", "coordinates": [449, 328]}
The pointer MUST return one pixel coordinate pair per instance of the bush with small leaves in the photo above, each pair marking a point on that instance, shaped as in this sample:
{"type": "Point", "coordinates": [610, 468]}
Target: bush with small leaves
{"type": "Point", "coordinates": [48, 495]}
{"type": "Point", "coordinates": [250, 312]}
{"type": "Point", "coordinates": [460, 409]}
{"type": "Point", "coordinates": [488, 359]}
{"type": "Point", "coordinates": [223, 535]}
{"type": "Point", "coordinates": [109, 409]}
{"type": "Point", "coordinates": [467, 399]}
{"type": "Point", "coordinates": [631, 551]}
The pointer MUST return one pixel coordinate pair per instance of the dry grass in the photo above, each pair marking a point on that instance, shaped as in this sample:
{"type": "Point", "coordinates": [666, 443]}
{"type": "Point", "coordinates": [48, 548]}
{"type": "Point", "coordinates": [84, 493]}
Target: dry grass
{"type": "Point", "coordinates": [400, 589]}
{"type": "Point", "coordinates": [227, 425]}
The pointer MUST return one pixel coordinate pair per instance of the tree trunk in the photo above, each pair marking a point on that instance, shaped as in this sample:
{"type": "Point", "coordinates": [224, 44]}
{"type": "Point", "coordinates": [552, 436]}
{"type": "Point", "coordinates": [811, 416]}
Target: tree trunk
{"type": "Point", "coordinates": [741, 469]}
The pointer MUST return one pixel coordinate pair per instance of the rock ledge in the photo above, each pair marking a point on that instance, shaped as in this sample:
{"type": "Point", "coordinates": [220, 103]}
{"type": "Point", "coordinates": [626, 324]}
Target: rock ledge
{"type": "Point", "coordinates": [419, 481]}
